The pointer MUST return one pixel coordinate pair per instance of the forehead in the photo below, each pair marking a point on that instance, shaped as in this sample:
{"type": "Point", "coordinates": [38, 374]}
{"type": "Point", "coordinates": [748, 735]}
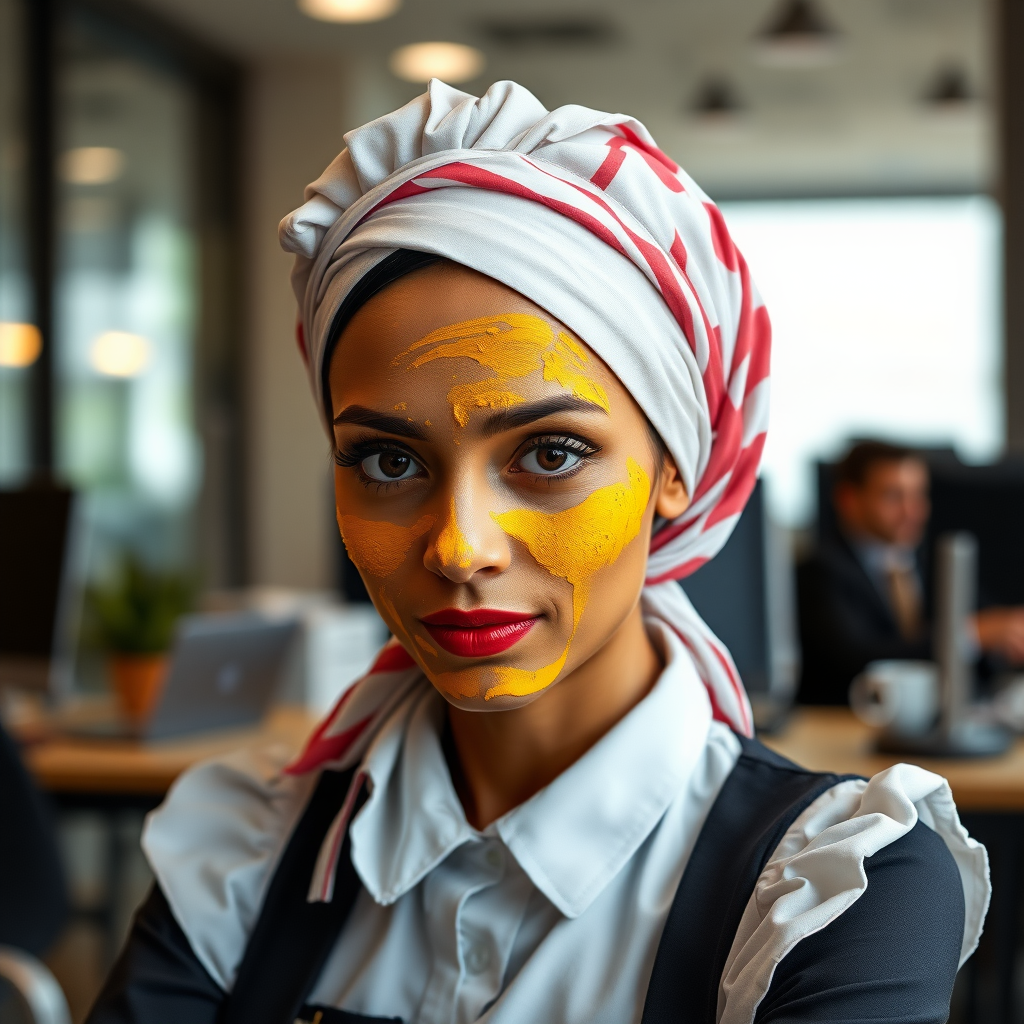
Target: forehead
{"type": "Point", "coordinates": [404, 326]}
{"type": "Point", "coordinates": [897, 473]}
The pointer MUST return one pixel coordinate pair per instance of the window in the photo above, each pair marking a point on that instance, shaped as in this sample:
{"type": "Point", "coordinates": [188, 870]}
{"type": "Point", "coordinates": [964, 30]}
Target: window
{"type": "Point", "coordinates": [19, 340]}
{"type": "Point", "coordinates": [885, 317]}
{"type": "Point", "coordinates": [136, 391]}
{"type": "Point", "coordinates": [126, 293]}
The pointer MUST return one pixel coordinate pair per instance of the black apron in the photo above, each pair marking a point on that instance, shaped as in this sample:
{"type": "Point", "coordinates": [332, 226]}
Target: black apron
{"type": "Point", "coordinates": [761, 798]}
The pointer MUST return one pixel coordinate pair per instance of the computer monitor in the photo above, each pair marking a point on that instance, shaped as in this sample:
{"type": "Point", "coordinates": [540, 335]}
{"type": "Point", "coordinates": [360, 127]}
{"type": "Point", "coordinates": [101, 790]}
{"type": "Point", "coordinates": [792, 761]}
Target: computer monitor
{"type": "Point", "coordinates": [987, 501]}
{"type": "Point", "coordinates": [746, 595]}
{"type": "Point", "coordinates": [38, 592]}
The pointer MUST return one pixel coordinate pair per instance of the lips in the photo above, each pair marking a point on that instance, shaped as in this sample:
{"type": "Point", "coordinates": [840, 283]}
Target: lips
{"type": "Point", "coordinates": [479, 633]}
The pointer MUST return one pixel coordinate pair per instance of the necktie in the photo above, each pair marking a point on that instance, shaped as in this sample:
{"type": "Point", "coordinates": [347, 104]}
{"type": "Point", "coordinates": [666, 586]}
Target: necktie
{"type": "Point", "coordinates": [905, 598]}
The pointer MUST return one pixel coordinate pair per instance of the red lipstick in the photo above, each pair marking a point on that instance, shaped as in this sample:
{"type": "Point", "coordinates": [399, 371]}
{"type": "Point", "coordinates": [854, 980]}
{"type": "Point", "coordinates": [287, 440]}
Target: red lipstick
{"type": "Point", "coordinates": [479, 633]}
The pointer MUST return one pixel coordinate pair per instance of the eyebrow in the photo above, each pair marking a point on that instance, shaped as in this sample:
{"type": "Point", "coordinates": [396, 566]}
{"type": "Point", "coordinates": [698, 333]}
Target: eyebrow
{"type": "Point", "coordinates": [379, 421]}
{"type": "Point", "coordinates": [521, 415]}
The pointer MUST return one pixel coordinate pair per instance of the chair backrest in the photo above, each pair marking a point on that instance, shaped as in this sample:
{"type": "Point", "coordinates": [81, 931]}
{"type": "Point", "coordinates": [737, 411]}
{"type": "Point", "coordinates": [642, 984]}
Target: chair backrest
{"type": "Point", "coordinates": [32, 989]}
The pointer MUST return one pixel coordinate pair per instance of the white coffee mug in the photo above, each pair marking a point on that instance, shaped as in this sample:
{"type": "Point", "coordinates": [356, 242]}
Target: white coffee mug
{"type": "Point", "coordinates": [901, 696]}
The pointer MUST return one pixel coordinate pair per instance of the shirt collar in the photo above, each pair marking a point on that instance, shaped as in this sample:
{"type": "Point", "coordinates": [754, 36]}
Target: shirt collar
{"type": "Point", "coordinates": [573, 836]}
{"type": "Point", "coordinates": [879, 558]}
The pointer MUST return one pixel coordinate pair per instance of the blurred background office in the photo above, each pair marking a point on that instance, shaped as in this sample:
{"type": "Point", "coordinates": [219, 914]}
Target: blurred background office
{"type": "Point", "coordinates": [868, 156]}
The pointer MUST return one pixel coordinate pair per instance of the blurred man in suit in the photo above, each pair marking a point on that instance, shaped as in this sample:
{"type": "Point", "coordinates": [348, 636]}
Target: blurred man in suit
{"type": "Point", "coordinates": [861, 593]}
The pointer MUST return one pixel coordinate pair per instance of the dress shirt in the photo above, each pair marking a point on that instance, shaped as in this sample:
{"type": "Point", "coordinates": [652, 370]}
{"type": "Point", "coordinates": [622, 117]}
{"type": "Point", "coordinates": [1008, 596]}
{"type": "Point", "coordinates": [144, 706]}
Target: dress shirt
{"type": "Point", "coordinates": [554, 912]}
{"type": "Point", "coordinates": [534, 908]}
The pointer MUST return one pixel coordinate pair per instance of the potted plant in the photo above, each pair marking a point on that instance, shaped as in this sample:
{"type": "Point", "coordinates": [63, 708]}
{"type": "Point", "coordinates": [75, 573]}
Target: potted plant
{"type": "Point", "coordinates": [133, 616]}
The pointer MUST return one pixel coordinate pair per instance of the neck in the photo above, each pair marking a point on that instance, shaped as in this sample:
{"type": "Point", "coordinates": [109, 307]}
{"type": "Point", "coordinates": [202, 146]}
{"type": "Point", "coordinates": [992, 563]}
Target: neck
{"type": "Point", "coordinates": [500, 759]}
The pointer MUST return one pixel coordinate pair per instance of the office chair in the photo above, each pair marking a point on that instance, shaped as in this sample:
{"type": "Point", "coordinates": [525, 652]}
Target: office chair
{"type": "Point", "coordinates": [33, 896]}
{"type": "Point", "coordinates": [33, 995]}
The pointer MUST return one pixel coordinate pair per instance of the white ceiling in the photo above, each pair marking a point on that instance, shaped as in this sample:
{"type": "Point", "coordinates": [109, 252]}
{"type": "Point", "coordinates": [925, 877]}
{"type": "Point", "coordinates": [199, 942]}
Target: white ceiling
{"type": "Point", "coordinates": [856, 126]}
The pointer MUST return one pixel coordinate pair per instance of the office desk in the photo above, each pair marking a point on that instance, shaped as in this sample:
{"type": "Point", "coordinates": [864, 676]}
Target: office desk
{"type": "Point", "coordinates": [833, 739]}
{"type": "Point", "coordinates": [84, 771]}
{"type": "Point", "coordinates": [990, 797]}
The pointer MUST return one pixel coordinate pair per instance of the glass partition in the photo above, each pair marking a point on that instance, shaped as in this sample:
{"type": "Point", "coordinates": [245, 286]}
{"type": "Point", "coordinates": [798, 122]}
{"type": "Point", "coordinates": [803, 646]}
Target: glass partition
{"type": "Point", "coordinates": [126, 294]}
{"type": "Point", "coordinates": [19, 339]}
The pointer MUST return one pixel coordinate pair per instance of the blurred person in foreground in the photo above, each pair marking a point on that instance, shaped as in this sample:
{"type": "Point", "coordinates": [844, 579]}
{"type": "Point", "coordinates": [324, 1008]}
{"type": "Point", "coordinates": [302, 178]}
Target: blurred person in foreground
{"type": "Point", "coordinates": [861, 597]}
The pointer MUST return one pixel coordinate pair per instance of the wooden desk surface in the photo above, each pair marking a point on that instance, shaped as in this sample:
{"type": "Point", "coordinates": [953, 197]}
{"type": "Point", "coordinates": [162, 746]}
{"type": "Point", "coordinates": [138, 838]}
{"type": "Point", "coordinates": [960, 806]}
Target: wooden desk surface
{"type": "Point", "coordinates": [110, 767]}
{"type": "Point", "coordinates": [820, 738]}
{"type": "Point", "coordinates": [833, 739]}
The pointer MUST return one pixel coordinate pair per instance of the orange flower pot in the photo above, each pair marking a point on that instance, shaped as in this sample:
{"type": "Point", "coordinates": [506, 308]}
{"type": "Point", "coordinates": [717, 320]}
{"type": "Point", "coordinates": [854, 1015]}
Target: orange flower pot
{"type": "Point", "coordinates": [138, 680]}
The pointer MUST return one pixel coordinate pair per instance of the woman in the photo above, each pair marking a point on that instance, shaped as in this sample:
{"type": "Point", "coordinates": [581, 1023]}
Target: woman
{"type": "Point", "coordinates": [544, 370]}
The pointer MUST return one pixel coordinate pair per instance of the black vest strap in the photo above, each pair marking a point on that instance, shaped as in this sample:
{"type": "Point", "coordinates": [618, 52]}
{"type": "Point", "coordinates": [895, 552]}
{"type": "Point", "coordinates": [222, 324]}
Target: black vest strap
{"type": "Point", "coordinates": [763, 795]}
{"type": "Point", "coordinates": [292, 937]}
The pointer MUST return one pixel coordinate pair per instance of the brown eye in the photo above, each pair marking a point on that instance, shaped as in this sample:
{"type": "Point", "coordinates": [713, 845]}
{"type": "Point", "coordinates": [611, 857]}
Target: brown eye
{"type": "Point", "coordinates": [551, 459]}
{"type": "Point", "coordinates": [548, 460]}
{"type": "Point", "coordinates": [388, 466]}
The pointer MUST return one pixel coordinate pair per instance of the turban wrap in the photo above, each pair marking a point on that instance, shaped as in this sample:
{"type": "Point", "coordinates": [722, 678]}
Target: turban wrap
{"type": "Point", "coordinates": [579, 211]}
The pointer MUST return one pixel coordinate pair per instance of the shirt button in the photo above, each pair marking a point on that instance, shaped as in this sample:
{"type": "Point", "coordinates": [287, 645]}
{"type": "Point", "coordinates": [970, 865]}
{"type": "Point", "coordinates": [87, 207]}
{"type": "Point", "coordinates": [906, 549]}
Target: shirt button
{"type": "Point", "coordinates": [494, 857]}
{"type": "Point", "coordinates": [478, 958]}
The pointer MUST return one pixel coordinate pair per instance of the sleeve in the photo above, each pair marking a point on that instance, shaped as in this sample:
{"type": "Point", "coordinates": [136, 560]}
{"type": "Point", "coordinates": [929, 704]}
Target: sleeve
{"type": "Point", "coordinates": [892, 956]}
{"type": "Point", "coordinates": [890, 851]}
{"type": "Point", "coordinates": [157, 977]}
{"type": "Point", "coordinates": [214, 843]}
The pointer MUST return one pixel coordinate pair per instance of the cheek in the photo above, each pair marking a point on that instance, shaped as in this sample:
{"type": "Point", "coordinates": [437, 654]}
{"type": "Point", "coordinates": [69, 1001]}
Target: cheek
{"type": "Point", "coordinates": [379, 547]}
{"type": "Point", "coordinates": [576, 543]}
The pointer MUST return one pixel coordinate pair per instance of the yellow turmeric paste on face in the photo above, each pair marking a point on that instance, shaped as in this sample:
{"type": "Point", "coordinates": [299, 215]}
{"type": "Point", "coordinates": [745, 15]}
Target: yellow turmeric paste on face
{"type": "Point", "coordinates": [380, 547]}
{"type": "Point", "coordinates": [510, 345]}
{"type": "Point", "coordinates": [452, 546]}
{"type": "Point", "coordinates": [574, 544]}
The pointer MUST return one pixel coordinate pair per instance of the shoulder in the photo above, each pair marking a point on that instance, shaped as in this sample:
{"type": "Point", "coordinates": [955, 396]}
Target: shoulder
{"type": "Point", "coordinates": [213, 845]}
{"type": "Point", "coordinates": [893, 954]}
{"type": "Point", "coordinates": [895, 831]}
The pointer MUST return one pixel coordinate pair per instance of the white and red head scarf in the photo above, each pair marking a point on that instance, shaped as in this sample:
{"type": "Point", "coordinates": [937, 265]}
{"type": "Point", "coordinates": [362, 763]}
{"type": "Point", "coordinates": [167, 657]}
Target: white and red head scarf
{"type": "Point", "coordinates": [579, 211]}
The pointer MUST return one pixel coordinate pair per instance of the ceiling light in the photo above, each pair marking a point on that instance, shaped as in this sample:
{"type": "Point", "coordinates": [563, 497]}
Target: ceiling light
{"type": "Point", "coordinates": [798, 36]}
{"type": "Point", "coordinates": [349, 10]}
{"type": "Point", "coordinates": [120, 354]}
{"type": "Point", "coordinates": [20, 344]}
{"type": "Point", "coordinates": [950, 90]}
{"type": "Point", "coordinates": [716, 101]}
{"type": "Point", "coordinates": [92, 165]}
{"type": "Point", "coordinates": [451, 62]}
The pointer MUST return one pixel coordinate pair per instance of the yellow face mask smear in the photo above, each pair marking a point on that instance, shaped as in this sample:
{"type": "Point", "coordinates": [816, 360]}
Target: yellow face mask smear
{"type": "Point", "coordinates": [390, 608]}
{"type": "Point", "coordinates": [574, 544]}
{"type": "Point", "coordinates": [423, 645]}
{"type": "Point", "coordinates": [511, 345]}
{"type": "Point", "coordinates": [457, 684]}
{"type": "Point", "coordinates": [452, 546]}
{"type": "Point", "coordinates": [564, 364]}
{"type": "Point", "coordinates": [463, 398]}
{"type": "Point", "coordinates": [379, 548]}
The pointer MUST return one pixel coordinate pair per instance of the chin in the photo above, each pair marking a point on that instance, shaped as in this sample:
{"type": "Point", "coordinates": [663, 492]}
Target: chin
{"type": "Point", "coordinates": [494, 704]}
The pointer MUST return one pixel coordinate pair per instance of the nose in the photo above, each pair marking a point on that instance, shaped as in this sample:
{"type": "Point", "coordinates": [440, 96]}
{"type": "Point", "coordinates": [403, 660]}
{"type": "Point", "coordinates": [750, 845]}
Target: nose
{"type": "Point", "coordinates": [466, 540]}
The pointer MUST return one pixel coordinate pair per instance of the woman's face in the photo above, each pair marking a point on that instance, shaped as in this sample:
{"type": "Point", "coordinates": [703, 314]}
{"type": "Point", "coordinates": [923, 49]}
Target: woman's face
{"type": "Point", "coordinates": [493, 484]}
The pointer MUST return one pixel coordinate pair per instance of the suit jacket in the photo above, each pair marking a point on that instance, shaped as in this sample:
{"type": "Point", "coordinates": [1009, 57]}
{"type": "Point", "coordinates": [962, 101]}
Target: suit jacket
{"type": "Point", "coordinates": [844, 624]}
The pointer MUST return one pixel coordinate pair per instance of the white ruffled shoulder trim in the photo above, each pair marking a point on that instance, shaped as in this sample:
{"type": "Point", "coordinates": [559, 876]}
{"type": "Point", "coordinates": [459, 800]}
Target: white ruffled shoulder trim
{"type": "Point", "coordinates": [213, 845]}
{"type": "Point", "coordinates": [817, 872]}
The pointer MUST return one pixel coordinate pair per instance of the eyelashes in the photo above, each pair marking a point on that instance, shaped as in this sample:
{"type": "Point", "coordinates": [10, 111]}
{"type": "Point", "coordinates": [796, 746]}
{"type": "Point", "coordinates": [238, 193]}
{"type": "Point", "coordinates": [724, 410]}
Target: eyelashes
{"type": "Point", "coordinates": [549, 457]}
{"type": "Point", "coordinates": [354, 453]}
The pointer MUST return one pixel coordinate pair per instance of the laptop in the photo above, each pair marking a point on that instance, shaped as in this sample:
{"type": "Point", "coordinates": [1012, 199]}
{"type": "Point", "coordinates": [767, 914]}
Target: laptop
{"type": "Point", "coordinates": [223, 673]}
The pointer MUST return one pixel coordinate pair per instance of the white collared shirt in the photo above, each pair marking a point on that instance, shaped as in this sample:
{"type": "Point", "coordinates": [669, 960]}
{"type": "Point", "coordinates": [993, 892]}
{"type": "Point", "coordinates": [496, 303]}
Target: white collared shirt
{"type": "Point", "coordinates": [554, 912]}
{"type": "Point", "coordinates": [534, 908]}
